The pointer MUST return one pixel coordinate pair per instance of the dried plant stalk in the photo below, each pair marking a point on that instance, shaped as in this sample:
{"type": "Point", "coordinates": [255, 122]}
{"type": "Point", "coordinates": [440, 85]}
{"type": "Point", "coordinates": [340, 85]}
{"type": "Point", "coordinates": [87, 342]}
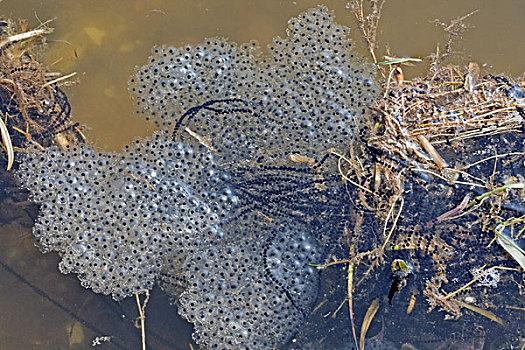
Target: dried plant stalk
{"type": "Point", "coordinates": [368, 22]}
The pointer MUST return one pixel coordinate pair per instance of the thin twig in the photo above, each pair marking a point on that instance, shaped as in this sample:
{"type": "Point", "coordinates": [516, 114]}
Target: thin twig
{"type": "Point", "coordinates": [368, 24]}
{"type": "Point", "coordinates": [201, 139]}
{"type": "Point", "coordinates": [447, 180]}
{"type": "Point", "coordinates": [332, 263]}
{"type": "Point", "coordinates": [334, 315]}
{"type": "Point", "coordinates": [394, 224]}
{"type": "Point", "coordinates": [54, 81]}
{"type": "Point", "coordinates": [142, 316]}
{"type": "Point", "coordinates": [492, 157]}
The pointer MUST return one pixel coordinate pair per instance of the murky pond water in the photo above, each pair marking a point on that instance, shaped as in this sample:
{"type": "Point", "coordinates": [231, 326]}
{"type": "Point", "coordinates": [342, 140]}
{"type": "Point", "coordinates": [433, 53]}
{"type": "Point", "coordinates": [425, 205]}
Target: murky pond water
{"type": "Point", "coordinates": [103, 41]}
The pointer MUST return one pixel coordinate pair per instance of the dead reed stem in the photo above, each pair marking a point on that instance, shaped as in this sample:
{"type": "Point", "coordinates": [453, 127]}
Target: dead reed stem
{"type": "Point", "coordinates": [24, 36]}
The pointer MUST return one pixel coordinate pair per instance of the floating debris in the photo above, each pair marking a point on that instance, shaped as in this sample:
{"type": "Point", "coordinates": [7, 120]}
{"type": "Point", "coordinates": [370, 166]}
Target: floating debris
{"type": "Point", "coordinates": [33, 108]}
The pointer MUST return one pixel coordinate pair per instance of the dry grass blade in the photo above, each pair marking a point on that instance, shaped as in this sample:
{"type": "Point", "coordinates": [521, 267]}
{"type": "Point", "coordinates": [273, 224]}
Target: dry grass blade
{"type": "Point", "coordinates": [492, 157]}
{"type": "Point", "coordinates": [481, 311]}
{"type": "Point", "coordinates": [456, 211]}
{"type": "Point", "coordinates": [350, 288]}
{"type": "Point", "coordinates": [401, 60]}
{"type": "Point", "coordinates": [394, 224]}
{"type": "Point", "coordinates": [367, 320]}
{"type": "Point", "coordinates": [8, 145]}
{"type": "Point", "coordinates": [515, 308]}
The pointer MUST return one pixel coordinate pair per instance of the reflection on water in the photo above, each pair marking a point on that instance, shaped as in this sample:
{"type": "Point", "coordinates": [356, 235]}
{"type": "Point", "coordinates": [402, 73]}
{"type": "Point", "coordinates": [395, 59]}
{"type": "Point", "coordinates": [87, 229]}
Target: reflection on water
{"type": "Point", "coordinates": [103, 41]}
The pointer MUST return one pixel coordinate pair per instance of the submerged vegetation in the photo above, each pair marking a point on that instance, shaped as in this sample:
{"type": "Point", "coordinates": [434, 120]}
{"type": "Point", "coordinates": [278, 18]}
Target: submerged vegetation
{"type": "Point", "coordinates": [285, 186]}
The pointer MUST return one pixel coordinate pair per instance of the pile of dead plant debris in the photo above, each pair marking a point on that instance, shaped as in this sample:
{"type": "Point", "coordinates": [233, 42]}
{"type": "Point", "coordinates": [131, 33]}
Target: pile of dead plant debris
{"type": "Point", "coordinates": [34, 110]}
{"type": "Point", "coordinates": [439, 173]}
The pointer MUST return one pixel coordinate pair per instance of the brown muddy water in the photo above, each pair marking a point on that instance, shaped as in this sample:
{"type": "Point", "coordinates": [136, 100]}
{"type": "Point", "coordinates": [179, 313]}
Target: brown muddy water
{"type": "Point", "coordinates": [103, 41]}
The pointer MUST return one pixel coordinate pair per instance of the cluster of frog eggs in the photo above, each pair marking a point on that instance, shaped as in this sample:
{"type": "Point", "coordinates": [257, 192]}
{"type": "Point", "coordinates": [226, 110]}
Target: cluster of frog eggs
{"type": "Point", "coordinates": [242, 297]}
{"type": "Point", "coordinates": [115, 217]}
{"type": "Point", "coordinates": [188, 208]}
{"type": "Point", "coordinates": [302, 96]}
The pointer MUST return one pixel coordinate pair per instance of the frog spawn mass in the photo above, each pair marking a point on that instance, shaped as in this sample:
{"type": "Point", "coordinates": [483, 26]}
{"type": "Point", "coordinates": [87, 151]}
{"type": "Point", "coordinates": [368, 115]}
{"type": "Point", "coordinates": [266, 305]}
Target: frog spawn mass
{"type": "Point", "coordinates": [213, 207]}
{"type": "Point", "coordinates": [111, 216]}
{"type": "Point", "coordinates": [305, 96]}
